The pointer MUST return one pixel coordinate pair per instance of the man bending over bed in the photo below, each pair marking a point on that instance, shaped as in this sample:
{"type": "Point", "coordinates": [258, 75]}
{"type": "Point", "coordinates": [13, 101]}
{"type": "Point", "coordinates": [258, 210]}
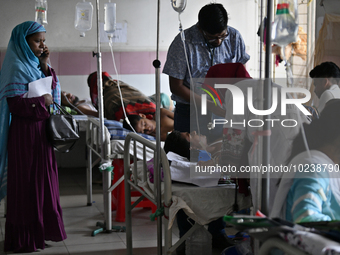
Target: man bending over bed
{"type": "Point", "coordinates": [143, 125]}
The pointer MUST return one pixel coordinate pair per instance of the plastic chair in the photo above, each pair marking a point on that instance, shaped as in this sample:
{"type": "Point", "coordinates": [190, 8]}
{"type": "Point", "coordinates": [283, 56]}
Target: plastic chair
{"type": "Point", "coordinates": [118, 194]}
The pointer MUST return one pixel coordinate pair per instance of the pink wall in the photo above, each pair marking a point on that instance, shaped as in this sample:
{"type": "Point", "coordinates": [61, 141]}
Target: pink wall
{"type": "Point", "coordinates": [83, 63]}
{"type": "Point", "coordinates": [2, 56]}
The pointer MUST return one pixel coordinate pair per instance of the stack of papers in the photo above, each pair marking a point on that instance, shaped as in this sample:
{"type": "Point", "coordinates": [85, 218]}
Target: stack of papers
{"type": "Point", "coordinates": [39, 87]}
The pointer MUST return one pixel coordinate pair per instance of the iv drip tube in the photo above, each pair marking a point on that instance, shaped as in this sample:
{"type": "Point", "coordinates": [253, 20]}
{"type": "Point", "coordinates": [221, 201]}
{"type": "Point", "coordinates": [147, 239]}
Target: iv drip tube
{"type": "Point", "coordinates": [120, 92]}
{"type": "Point", "coordinates": [110, 28]}
{"type": "Point", "coordinates": [192, 88]}
{"type": "Point", "coordinates": [179, 6]}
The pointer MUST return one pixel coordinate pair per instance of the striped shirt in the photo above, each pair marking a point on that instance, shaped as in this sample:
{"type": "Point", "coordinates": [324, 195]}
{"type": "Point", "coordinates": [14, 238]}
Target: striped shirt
{"type": "Point", "coordinates": [310, 198]}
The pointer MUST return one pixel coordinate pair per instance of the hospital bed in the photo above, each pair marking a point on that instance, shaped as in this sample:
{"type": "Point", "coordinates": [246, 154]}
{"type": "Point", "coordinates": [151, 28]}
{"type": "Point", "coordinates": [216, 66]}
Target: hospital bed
{"type": "Point", "coordinates": [203, 204]}
{"type": "Point", "coordinates": [314, 238]}
{"type": "Point", "coordinates": [293, 240]}
{"type": "Point", "coordinates": [113, 148]}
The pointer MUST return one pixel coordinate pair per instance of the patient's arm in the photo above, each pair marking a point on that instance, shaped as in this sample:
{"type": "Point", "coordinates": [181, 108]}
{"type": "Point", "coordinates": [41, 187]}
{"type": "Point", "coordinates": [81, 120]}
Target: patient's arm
{"type": "Point", "coordinates": [179, 89]}
{"type": "Point", "coordinates": [307, 202]}
{"type": "Point", "coordinates": [167, 113]}
{"type": "Point", "coordinates": [167, 122]}
{"type": "Point", "coordinates": [230, 152]}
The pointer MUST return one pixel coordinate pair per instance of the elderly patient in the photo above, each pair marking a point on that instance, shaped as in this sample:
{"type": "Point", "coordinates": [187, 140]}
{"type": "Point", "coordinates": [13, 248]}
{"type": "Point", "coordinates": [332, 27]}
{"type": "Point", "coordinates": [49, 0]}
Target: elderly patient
{"type": "Point", "coordinates": [80, 106]}
{"type": "Point", "coordinates": [313, 192]}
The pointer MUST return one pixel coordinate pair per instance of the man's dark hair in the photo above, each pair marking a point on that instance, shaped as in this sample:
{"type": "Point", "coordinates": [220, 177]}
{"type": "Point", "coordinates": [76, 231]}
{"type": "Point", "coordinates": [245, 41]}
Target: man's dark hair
{"type": "Point", "coordinates": [326, 70]}
{"type": "Point", "coordinates": [319, 132]}
{"type": "Point", "coordinates": [213, 18]}
{"type": "Point", "coordinates": [133, 118]}
{"type": "Point", "coordinates": [176, 143]}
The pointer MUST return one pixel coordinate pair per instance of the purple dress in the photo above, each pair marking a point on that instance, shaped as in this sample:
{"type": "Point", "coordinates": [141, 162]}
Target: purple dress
{"type": "Point", "coordinates": [33, 209]}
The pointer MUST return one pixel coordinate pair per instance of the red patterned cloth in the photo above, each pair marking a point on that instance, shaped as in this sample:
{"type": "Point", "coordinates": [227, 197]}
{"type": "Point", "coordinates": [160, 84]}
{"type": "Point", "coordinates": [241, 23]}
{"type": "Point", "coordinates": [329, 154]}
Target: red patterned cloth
{"type": "Point", "coordinates": [235, 72]}
{"type": "Point", "coordinates": [92, 83]}
{"type": "Point", "coordinates": [134, 101]}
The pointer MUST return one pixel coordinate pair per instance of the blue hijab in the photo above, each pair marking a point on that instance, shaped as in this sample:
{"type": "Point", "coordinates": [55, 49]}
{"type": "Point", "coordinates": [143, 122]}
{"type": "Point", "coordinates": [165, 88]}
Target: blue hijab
{"type": "Point", "coordinates": [19, 68]}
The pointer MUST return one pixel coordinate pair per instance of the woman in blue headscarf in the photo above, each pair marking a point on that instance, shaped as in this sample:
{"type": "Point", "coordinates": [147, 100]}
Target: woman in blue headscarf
{"type": "Point", "coordinates": [27, 159]}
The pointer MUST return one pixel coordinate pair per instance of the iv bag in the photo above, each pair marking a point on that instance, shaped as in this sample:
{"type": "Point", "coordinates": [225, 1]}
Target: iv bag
{"type": "Point", "coordinates": [110, 18]}
{"type": "Point", "coordinates": [285, 26]}
{"type": "Point", "coordinates": [178, 5]}
{"type": "Point", "coordinates": [41, 11]}
{"type": "Point", "coordinates": [83, 18]}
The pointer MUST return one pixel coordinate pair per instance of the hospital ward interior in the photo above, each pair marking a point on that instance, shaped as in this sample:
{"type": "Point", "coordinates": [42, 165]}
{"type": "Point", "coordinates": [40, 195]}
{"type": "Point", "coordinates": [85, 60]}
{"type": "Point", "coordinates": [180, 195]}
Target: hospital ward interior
{"type": "Point", "coordinates": [197, 127]}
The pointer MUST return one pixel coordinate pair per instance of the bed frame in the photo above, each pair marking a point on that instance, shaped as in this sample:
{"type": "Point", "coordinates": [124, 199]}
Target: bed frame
{"type": "Point", "coordinates": [134, 138]}
{"type": "Point", "coordinates": [167, 194]}
{"type": "Point", "coordinates": [104, 158]}
{"type": "Point", "coordinates": [277, 243]}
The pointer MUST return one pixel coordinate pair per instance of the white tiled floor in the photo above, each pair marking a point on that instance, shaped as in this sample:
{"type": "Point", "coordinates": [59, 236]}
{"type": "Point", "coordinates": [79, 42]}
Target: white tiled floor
{"type": "Point", "coordinates": [80, 220]}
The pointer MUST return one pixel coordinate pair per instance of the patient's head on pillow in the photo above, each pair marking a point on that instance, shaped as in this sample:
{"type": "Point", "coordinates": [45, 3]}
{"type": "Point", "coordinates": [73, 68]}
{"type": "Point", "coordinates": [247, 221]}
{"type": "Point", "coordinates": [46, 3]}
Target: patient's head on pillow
{"type": "Point", "coordinates": [197, 141]}
{"type": "Point", "coordinates": [177, 143]}
{"type": "Point", "coordinates": [68, 99]}
{"type": "Point", "coordinates": [134, 119]}
{"type": "Point", "coordinates": [140, 124]}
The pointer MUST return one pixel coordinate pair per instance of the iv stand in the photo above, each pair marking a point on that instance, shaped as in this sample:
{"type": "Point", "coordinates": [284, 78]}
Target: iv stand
{"type": "Point", "coordinates": [106, 175]}
{"type": "Point", "coordinates": [157, 64]}
{"type": "Point", "coordinates": [267, 103]}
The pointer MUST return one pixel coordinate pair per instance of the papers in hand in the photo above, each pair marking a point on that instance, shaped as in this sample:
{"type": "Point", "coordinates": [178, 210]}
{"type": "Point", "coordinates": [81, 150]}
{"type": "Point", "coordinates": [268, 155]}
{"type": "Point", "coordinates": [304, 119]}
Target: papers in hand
{"type": "Point", "coordinates": [39, 87]}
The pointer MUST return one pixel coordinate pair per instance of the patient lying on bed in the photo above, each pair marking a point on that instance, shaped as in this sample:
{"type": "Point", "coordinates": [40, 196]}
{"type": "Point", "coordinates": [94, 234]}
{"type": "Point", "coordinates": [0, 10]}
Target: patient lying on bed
{"type": "Point", "coordinates": [134, 101]}
{"type": "Point", "coordinates": [143, 125]}
{"type": "Point", "coordinates": [79, 106]}
{"type": "Point", "coordinates": [195, 148]}
{"type": "Point", "coordinates": [182, 143]}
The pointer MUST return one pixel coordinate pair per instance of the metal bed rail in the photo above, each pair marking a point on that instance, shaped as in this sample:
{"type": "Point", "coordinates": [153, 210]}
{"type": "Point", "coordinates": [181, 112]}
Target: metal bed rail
{"type": "Point", "coordinates": [93, 143]}
{"type": "Point", "coordinates": [277, 243]}
{"type": "Point", "coordinates": [131, 140]}
{"type": "Point", "coordinates": [167, 197]}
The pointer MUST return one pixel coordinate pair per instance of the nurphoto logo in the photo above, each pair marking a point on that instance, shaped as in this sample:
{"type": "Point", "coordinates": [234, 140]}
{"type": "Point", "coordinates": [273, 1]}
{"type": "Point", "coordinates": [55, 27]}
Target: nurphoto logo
{"type": "Point", "coordinates": [204, 96]}
{"type": "Point", "coordinates": [280, 98]}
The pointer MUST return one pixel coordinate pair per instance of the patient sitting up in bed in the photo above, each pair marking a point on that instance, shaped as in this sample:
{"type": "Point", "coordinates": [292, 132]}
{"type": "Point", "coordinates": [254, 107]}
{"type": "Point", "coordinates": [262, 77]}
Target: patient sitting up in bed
{"type": "Point", "coordinates": [182, 143]}
{"type": "Point", "coordinates": [84, 106]}
{"type": "Point", "coordinates": [313, 193]}
{"type": "Point", "coordinates": [143, 125]}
